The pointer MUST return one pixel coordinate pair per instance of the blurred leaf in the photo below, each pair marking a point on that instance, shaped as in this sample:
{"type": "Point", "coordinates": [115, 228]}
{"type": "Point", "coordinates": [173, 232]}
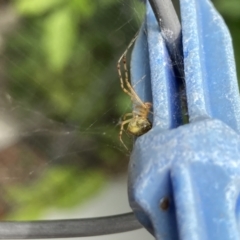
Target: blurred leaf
{"type": "Point", "coordinates": [235, 32]}
{"type": "Point", "coordinates": [61, 99]}
{"type": "Point", "coordinates": [123, 103]}
{"type": "Point", "coordinates": [60, 187]}
{"type": "Point", "coordinates": [59, 37]}
{"type": "Point", "coordinates": [229, 8]}
{"type": "Point", "coordinates": [139, 11]}
{"type": "Point", "coordinates": [85, 7]}
{"type": "Point", "coordinates": [35, 7]}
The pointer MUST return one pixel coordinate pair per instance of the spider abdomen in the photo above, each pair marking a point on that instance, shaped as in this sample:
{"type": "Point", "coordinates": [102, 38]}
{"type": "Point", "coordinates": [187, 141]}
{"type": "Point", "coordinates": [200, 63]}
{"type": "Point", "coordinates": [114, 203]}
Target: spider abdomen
{"type": "Point", "coordinates": [138, 126]}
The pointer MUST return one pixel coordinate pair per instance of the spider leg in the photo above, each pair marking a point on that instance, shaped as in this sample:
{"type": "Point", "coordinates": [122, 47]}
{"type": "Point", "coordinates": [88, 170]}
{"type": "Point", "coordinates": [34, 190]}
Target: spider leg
{"type": "Point", "coordinates": [121, 78]}
{"type": "Point", "coordinates": [128, 89]}
{"type": "Point", "coordinates": [123, 88]}
{"type": "Point", "coordinates": [124, 119]}
{"type": "Point", "coordinates": [128, 84]}
{"type": "Point", "coordinates": [119, 66]}
{"type": "Point", "coordinates": [121, 131]}
{"type": "Point", "coordinates": [127, 115]}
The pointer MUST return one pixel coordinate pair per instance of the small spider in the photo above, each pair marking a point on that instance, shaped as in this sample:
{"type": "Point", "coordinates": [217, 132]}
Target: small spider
{"type": "Point", "coordinates": [138, 123]}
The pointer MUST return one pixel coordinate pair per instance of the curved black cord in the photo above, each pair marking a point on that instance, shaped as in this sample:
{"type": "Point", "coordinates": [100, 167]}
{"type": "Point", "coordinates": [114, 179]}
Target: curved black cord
{"type": "Point", "coordinates": [171, 31]}
{"type": "Point", "coordinates": [167, 18]}
{"type": "Point", "coordinates": [69, 228]}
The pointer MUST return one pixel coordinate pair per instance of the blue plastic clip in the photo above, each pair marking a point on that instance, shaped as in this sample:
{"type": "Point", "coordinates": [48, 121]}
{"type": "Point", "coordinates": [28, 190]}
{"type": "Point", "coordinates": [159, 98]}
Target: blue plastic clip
{"type": "Point", "coordinates": [184, 180]}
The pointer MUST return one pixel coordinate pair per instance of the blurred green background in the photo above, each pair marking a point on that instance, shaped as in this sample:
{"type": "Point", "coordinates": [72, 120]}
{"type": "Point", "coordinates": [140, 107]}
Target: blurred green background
{"type": "Point", "coordinates": [61, 98]}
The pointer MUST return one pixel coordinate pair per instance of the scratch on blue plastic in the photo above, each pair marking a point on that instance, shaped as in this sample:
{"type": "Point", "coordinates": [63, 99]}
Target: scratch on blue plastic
{"type": "Point", "coordinates": [195, 166]}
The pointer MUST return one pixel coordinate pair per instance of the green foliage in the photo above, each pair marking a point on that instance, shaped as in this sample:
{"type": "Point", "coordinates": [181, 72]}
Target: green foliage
{"type": "Point", "coordinates": [229, 8]}
{"type": "Point", "coordinates": [59, 186]}
{"type": "Point", "coordinates": [231, 13]}
{"type": "Point", "coordinates": [59, 38]}
{"type": "Point", "coordinates": [64, 58]}
{"type": "Point", "coordinates": [63, 65]}
{"type": "Point", "coordinates": [35, 7]}
{"type": "Point", "coordinates": [84, 8]}
{"type": "Point", "coordinates": [235, 32]}
{"type": "Point", "coordinates": [59, 26]}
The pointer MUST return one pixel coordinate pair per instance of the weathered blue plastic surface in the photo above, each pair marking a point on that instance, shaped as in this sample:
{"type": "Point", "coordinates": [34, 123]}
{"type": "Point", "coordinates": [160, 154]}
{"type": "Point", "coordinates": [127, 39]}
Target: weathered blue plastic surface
{"type": "Point", "coordinates": [195, 166]}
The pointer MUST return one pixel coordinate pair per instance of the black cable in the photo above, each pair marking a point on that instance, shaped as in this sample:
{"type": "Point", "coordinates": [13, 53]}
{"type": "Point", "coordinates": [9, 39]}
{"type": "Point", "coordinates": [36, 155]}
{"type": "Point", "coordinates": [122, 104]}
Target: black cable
{"type": "Point", "coordinates": [171, 31]}
{"type": "Point", "coordinates": [69, 228]}
{"type": "Point", "coordinates": [167, 19]}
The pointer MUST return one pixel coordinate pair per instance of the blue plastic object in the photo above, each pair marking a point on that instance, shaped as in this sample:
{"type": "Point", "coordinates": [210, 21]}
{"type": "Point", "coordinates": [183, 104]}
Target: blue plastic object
{"type": "Point", "coordinates": [184, 180]}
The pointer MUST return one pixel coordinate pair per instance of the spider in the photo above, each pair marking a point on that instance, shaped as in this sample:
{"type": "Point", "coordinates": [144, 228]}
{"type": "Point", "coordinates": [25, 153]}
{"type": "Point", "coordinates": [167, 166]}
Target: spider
{"type": "Point", "coordinates": [138, 123]}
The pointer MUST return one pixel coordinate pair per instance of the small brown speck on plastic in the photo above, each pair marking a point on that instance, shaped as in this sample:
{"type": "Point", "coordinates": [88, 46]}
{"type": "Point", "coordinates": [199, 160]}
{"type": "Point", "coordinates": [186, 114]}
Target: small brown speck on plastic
{"type": "Point", "coordinates": [164, 204]}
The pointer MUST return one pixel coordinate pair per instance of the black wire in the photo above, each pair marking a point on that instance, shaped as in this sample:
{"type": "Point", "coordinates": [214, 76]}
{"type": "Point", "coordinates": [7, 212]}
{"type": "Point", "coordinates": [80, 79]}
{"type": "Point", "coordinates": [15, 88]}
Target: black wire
{"type": "Point", "coordinates": [171, 31]}
{"type": "Point", "coordinates": [69, 228]}
{"type": "Point", "coordinates": [167, 18]}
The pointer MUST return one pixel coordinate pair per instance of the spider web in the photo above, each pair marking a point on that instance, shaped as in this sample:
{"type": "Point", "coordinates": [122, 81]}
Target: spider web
{"type": "Point", "coordinates": [59, 129]}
